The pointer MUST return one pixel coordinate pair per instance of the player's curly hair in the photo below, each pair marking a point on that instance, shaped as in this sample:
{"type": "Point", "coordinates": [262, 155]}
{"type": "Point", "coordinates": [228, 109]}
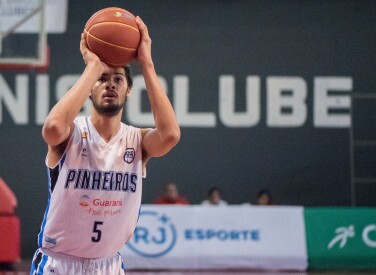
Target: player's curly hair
{"type": "Point", "coordinates": [127, 71]}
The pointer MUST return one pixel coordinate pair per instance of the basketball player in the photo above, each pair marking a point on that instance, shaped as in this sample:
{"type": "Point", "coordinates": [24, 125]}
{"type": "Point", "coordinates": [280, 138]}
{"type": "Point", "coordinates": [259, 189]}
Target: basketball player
{"type": "Point", "coordinates": [95, 167]}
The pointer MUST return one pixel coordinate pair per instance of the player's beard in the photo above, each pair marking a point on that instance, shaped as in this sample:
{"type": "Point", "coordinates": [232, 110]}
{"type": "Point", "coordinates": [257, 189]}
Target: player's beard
{"type": "Point", "coordinates": [111, 109]}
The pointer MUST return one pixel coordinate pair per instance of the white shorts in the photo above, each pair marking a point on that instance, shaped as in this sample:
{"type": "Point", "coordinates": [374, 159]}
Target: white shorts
{"type": "Point", "coordinates": [46, 262]}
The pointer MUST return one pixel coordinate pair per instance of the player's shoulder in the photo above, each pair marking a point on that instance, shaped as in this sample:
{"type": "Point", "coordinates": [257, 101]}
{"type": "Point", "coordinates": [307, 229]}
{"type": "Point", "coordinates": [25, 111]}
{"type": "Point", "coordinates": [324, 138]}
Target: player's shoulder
{"type": "Point", "coordinates": [130, 129]}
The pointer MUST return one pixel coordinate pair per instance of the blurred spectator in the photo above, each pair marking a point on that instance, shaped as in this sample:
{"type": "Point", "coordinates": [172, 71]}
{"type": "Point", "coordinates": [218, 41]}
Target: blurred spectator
{"type": "Point", "coordinates": [214, 197]}
{"type": "Point", "coordinates": [8, 201]}
{"type": "Point", "coordinates": [10, 229]}
{"type": "Point", "coordinates": [171, 195]}
{"type": "Point", "coordinates": [264, 197]}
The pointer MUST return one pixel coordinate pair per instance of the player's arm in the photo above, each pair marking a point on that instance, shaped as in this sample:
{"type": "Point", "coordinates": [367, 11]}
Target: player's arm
{"type": "Point", "coordinates": [58, 125]}
{"type": "Point", "coordinates": [156, 142]}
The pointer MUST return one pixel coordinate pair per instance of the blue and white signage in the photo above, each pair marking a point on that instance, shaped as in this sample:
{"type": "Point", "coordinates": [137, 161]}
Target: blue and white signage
{"type": "Point", "coordinates": [202, 237]}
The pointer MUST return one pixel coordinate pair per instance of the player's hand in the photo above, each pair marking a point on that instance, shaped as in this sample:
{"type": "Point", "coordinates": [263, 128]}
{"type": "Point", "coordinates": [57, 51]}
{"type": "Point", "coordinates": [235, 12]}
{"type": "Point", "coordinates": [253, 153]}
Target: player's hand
{"type": "Point", "coordinates": [144, 49]}
{"type": "Point", "coordinates": [89, 57]}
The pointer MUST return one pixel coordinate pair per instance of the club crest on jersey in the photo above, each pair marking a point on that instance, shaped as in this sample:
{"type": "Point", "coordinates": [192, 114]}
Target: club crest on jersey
{"type": "Point", "coordinates": [129, 155]}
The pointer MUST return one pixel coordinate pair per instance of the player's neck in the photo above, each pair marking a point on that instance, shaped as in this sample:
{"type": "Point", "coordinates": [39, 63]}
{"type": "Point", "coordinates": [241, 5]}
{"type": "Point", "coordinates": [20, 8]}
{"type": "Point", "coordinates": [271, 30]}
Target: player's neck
{"type": "Point", "coordinates": [107, 127]}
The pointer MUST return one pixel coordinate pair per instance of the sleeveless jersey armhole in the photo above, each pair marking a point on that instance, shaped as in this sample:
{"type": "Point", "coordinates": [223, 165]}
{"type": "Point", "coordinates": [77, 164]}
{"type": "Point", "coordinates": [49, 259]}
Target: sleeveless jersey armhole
{"type": "Point", "coordinates": [74, 134]}
{"type": "Point", "coordinates": [144, 161]}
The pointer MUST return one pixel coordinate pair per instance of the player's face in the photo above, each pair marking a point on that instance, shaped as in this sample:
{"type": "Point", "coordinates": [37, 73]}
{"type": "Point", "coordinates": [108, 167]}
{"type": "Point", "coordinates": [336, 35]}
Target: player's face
{"type": "Point", "coordinates": [110, 92]}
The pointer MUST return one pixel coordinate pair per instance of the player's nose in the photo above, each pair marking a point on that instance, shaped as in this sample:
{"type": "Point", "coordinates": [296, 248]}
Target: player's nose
{"type": "Point", "coordinates": [110, 84]}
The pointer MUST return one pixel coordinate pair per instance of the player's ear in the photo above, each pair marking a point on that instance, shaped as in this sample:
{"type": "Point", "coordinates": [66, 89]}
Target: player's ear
{"type": "Point", "coordinates": [128, 93]}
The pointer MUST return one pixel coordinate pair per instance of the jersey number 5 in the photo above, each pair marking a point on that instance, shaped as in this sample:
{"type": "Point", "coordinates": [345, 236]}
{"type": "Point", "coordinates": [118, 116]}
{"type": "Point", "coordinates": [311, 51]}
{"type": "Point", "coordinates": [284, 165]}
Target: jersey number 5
{"type": "Point", "coordinates": [98, 232]}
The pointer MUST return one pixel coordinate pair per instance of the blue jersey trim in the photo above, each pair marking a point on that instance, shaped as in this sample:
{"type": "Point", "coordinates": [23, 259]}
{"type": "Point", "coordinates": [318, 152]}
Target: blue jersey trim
{"type": "Point", "coordinates": [40, 236]}
{"type": "Point", "coordinates": [42, 264]}
{"type": "Point", "coordinates": [41, 233]}
{"type": "Point", "coordinates": [122, 262]}
{"type": "Point", "coordinates": [62, 161]}
{"type": "Point", "coordinates": [32, 270]}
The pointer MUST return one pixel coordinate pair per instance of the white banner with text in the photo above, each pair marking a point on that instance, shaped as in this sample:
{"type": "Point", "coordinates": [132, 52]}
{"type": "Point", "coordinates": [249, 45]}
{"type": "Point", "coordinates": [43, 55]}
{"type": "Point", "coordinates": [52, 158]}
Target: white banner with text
{"type": "Point", "coordinates": [207, 237]}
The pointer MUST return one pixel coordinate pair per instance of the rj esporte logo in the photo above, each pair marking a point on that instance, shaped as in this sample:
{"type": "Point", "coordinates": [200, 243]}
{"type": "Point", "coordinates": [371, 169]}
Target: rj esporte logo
{"type": "Point", "coordinates": [154, 236]}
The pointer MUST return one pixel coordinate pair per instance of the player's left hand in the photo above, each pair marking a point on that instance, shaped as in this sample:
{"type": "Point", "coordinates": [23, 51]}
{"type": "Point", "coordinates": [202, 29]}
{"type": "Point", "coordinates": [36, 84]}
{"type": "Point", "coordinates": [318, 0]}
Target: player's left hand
{"type": "Point", "coordinates": [144, 49]}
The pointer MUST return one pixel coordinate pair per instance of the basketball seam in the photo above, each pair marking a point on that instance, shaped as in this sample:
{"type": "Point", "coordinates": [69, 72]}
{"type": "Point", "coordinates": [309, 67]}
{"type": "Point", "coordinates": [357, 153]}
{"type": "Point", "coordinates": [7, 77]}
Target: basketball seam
{"type": "Point", "coordinates": [104, 10]}
{"type": "Point", "coordinates": [116, 23]}
{"type": "Point", "coordinates": [96, 38]}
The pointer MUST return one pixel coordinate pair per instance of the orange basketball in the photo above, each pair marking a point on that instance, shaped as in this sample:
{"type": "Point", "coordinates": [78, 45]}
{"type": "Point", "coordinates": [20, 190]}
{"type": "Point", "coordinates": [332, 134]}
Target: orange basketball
{"type": "Point", "coordinates": [113, 35]}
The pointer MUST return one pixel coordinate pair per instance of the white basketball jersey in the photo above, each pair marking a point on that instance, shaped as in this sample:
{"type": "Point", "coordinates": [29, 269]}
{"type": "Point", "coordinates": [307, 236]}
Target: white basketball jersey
{"type": "Point", "coordinates": [95, 193]}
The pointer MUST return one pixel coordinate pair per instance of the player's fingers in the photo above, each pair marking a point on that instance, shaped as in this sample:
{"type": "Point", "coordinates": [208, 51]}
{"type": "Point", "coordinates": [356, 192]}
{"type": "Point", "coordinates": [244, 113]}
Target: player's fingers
{"type": "Point", "coordinates": [83, 47]}
{"type": "Point", "coordinates": [82, 43]}
{"type": "Point", "coordinates": [141, 25]}
{"type": "Point", "coordinates": [143, 30]}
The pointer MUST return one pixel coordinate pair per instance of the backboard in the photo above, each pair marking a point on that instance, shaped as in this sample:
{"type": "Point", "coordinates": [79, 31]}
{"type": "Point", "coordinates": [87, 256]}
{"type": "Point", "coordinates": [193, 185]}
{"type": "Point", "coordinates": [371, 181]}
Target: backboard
{"type": "Point", "coordinates": [23, 36]}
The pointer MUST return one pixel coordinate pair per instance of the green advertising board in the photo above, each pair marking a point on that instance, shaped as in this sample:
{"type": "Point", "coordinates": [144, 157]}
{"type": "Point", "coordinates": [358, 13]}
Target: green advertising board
{"type": "Point", "coordinates": [341, 238]}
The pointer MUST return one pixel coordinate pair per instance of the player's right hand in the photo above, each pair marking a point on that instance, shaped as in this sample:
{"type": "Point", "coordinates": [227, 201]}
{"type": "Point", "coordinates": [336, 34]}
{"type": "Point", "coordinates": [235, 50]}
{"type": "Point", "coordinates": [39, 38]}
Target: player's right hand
{"type": "Point", "coordinates": [89, 57]}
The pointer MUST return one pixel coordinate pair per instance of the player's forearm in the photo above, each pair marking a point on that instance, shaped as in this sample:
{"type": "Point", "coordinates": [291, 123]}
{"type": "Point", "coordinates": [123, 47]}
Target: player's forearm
{"type": "Point", "coordinates": [57, 125]}
{"type": "Point", "coordinates": [164, 116]}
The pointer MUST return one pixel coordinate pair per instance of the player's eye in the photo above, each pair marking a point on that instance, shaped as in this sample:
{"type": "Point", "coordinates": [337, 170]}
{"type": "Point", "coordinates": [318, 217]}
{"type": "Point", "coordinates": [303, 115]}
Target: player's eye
{"type": "Point", "coordinates": [101, 79]}
{"type": "Point", "coordinates": [118, 79]}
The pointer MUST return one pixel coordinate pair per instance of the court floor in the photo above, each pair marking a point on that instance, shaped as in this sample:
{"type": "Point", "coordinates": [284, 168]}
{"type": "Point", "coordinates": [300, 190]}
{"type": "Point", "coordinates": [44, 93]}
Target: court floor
{"type": "Point", "coordinates": [251, 272]}
{"type": "Point", "coordinates": [223, 273]}
{"type": "Point", "coordinates": [22, 268]}
{"type": "Point", "coordinates": [218, 272]}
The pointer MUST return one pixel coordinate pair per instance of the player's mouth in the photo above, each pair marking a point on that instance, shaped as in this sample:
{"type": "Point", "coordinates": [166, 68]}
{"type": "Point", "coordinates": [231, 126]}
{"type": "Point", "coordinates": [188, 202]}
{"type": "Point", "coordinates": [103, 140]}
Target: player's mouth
{"type": "Point", "coordinates": [110, 95]}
